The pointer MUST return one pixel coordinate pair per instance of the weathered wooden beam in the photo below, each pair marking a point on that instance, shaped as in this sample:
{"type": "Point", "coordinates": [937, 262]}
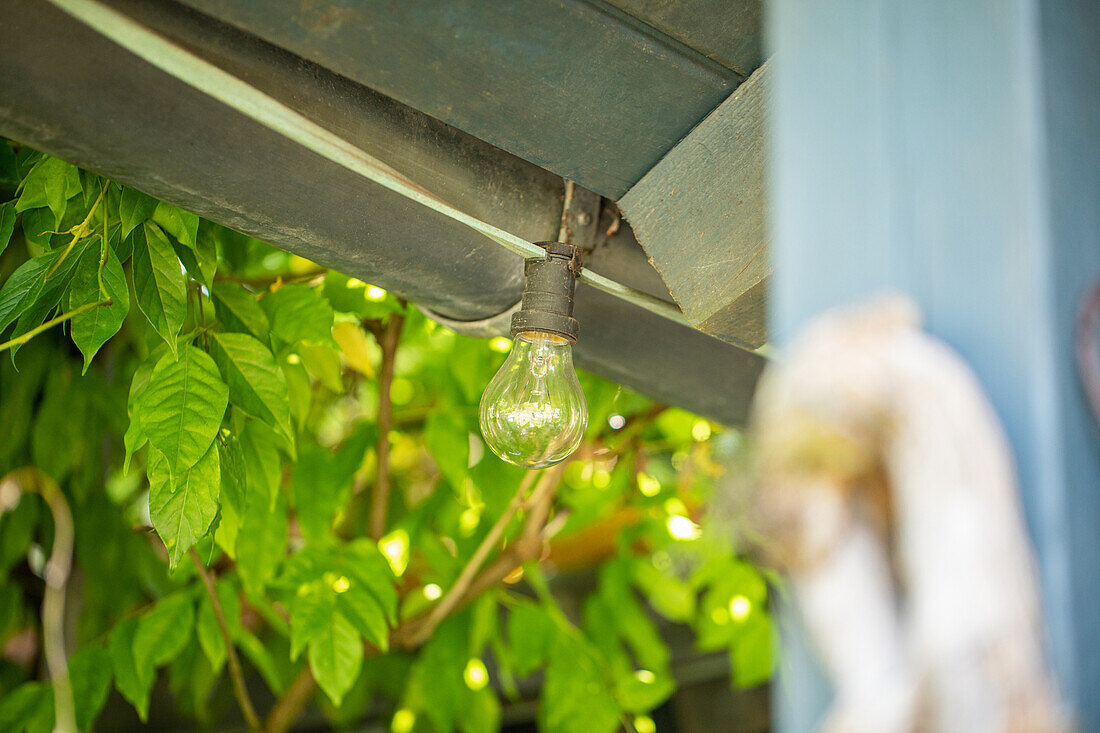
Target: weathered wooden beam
{"type": "Point", "coordinates": [701, 215]}
{"type": "Point", "coordinates": [122, 117]}
{"type": "Point", "coordinates": [574, 86]}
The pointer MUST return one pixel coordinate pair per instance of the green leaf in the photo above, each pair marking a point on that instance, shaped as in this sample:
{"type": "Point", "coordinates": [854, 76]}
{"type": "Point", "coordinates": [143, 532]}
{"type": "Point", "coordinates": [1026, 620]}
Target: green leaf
{"type": "Point", "coordinates": [531, 635]}
{"type": "Point", "coordinates": [91, 329]}
{"type": "Point", "coordinates": [38, 227]}
{"type": "Point", "coordinates": [261, 541]}
{"type": "Point", "coordinates": [7, 224]}
{"type": "Point", "coordinates": [206, 623]}
{"type": "Point", "coordinates": [449, 443]}
{"type": "Point", "coordinates": [52, 182]}
{"type": "Point", "coordinates": [56, 185]}
{"type": "Point", "coordinates": [481, 711]}
{"type": "Point", "coordinates": [637, 693]}
{"type": "Point", "coordinates": [256, 383]}
{"type": "Point", "coordinates": [159, 284]}
{"type": "Point", "coordinates": [311, 612]}
{"type": "Point", "coordinates": [182, 506]}
{"type": "Point", "coordinates": [183, 225]}
{"type": "Point", "coordinates": [26, 290]}
{"type": "Point", "coordinates": [320, 489]}
{"type": "Point", "coordinates": [135, 436]}
{"type": "Point", "coordinates": [671, 597]}
{"type": "Point", "coordinates": [134, 209]}
{"type": "Point", "coordinates": [336, 657]}
{"type": "Point", "coordinates": [436, 685]}
{"type": "Point", "coordinates": [238, 310]}
{"type": "Point", "coordinates": [234, 489]}
{"type": "Point", "coordinates": [360, 606]}
{"type": "Point", "coordinates": [134, 684]}
{"type": "Point", "coordinates": [361, 561]}
{"type": "Point", "coordinates": [575, 698]}
{"type": "Point", "coordinates": [752, 657]}
{"type": "Point", "coordinates": [90, 672]}
{"type": "Point", "coordinates": [53, 288]}
{"type": "Point", "coordinates": [262, 660]}
{"type": "Point", "coordinates": [162, 633]}
{"type": "Point", "coordinates": [201, 257]}
{"type": "Point", "coordinates": [323, 364]}
{"type": "Point", "coordinates": [182, 407]}
{"type": "Point", "coordinates": [22, 709]}
{"type": "Point", "coordinates": [298, 313]}
{"type": "Point", "coordinates": [263, 467]}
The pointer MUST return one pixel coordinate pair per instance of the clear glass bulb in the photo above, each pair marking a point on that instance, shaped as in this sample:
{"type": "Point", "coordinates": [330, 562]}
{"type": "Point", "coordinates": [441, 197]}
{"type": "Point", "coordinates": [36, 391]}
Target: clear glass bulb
{"type": "Point", "coordinates": [533, 412]}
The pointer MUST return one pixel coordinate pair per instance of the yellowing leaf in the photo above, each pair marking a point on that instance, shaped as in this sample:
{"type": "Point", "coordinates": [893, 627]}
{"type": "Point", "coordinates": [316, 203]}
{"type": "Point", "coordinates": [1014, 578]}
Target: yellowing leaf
{"type": "Point", "coordinates": [356, 347]}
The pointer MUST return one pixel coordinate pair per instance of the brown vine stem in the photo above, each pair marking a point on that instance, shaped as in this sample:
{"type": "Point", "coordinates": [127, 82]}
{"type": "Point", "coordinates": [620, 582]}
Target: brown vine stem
{"type": "Point", "coordinates": [289, 707]}
{"type": "Point", "coordinates": [388, 337]}
{"type": "Point", "coordinates": [411, 632]}
{"type": "Point", "coordinates": [51, 323]}
{"type": "Point", "coordinates": [466, 577]}
{"type": "Point", "coordinates": [58, 568]}
{"type": "Point", "coordinates": [233, 661]}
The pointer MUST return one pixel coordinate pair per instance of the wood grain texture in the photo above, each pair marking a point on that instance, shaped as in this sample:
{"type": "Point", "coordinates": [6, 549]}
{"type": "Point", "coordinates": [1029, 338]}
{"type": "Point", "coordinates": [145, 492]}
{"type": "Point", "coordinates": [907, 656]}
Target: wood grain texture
{"type": "Point", "coordinates": [731, 33]}
{"type": "Point", "coordinates": [701, 215]}
{"type": "Point", "coordinates": [576, 87]}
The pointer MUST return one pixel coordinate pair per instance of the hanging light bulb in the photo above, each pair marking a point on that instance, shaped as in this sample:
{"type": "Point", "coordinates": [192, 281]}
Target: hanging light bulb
{"type": "Point", "coordinates": [533, 412]}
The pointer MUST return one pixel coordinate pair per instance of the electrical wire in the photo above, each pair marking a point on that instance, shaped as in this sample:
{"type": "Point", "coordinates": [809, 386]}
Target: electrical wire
{"type": "Point", "coordinates": [273, 114]}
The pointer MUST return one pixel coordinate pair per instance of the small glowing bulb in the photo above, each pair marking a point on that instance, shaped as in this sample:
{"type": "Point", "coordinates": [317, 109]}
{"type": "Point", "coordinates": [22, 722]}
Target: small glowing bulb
{"type": "Point", "coordinates": [645, 676]}
{"type": "Point", "coordinates": [700, 431]}
{"type": "Point", "coordinates": [475, 675]}
{"type": "Point", "coordinates": [468, 521]}
{"type": "Point", "coordinates": [616, 422]}
{"type": "Point", "coordinates": [403, 721]}
{"type": "Point", "coordinates": [432, 591]}
{"type": "Point", "coordinates": [500, 345]}
{"type": "Point", "coordinates": [644, 724]}
{"type": "Point", "coordinates": [682, 528]}
{"type": "Point", "coordinates": [533, 412]}
{"type": "Point", "coordinates": [648, 485]}
{"type": "Point", "coordinates": [375, 293]}
{"type": "Point", "coordinates": [740, 606]}
{"type": "Point", "coordinates": [395, 548]}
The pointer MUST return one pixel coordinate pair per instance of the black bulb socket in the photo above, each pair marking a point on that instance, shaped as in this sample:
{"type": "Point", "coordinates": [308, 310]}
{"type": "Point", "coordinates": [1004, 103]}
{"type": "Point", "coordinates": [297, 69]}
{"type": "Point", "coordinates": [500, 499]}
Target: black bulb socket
{"type": "Point", "coordinates": [547, 304]}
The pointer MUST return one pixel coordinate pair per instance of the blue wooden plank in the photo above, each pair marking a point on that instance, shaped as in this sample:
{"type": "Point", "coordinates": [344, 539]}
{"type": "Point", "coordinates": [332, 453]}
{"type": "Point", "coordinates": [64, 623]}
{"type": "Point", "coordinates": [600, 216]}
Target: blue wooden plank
{"type": "Point", "coordinates": [948, 150]}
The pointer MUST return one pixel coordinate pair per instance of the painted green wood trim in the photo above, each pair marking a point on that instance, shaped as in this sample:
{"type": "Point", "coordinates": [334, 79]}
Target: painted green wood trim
{"type": "Point", "coordinates": [702, 216]}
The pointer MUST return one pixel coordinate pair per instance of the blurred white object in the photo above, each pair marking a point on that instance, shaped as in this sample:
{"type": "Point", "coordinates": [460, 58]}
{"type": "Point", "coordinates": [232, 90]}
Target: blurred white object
{"type": "Point", "coordinates": [888, 494]}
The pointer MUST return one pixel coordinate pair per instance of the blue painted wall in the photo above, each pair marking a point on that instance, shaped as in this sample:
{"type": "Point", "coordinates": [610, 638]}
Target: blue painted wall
{"type": "Point", "coordinates": [951, 150]}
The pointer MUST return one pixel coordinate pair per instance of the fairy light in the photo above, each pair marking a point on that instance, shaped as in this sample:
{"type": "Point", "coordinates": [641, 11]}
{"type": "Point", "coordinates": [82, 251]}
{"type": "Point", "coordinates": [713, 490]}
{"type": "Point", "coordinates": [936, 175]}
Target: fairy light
{"type": "Point", "coordinates": [395, 548]}
{"type": "Point", "coordinates": [475, 674]}
{"type": "Point", "coordinates": [740, 607]}
{"type": "Point", "coordinates": [403, 721]}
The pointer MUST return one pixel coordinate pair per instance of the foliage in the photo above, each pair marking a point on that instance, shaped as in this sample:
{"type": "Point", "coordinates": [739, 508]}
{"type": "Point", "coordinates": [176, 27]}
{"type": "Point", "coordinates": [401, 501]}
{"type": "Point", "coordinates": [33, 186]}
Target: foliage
{"type": "Point", "coordinates": [218, 439]}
